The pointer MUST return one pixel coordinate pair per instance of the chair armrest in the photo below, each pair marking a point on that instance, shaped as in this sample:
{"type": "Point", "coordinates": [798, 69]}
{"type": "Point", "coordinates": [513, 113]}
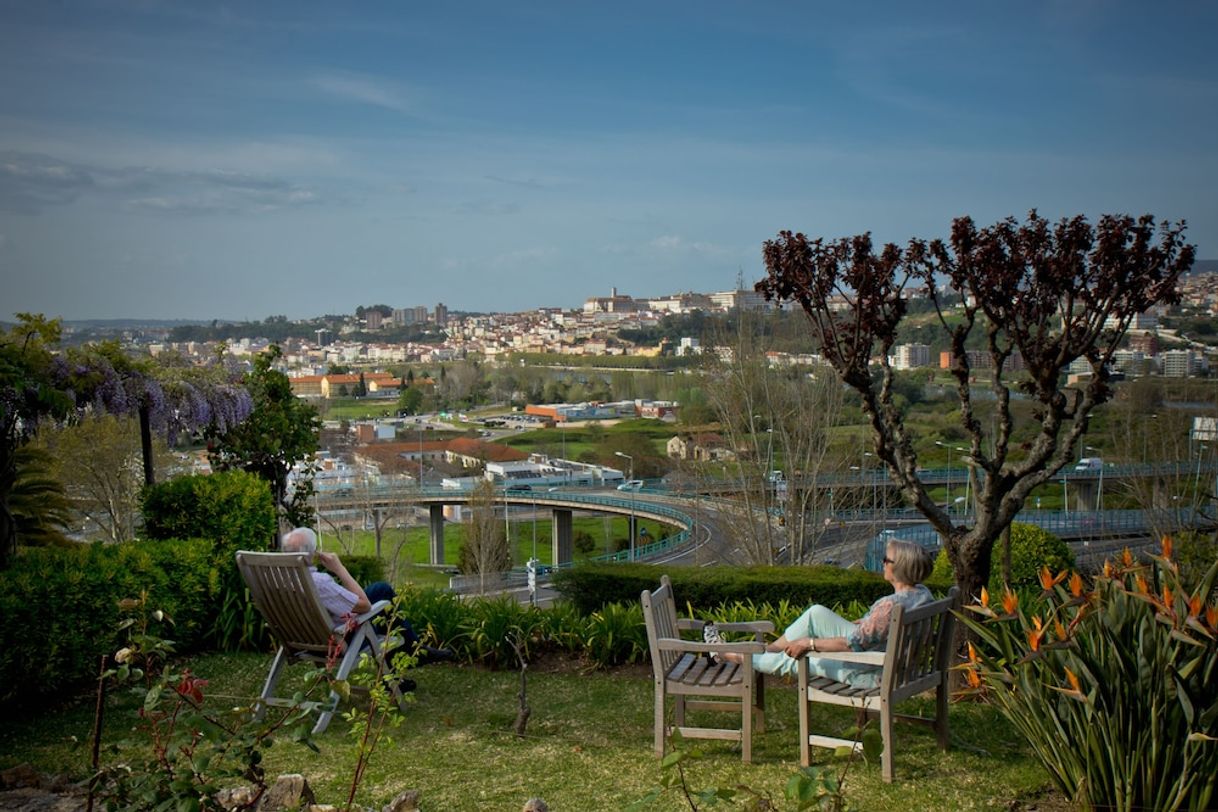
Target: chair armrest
{"type": "Point", "coordinates": [760, 626]}
{"type": "Point", "coordinates": [862, 657]}
{"type": "Point", "coordinates": [675, 644]}
{"type": "Point", "coordinates": [686, 624]}
{"type": "Point", "coordinates": [377, 608]}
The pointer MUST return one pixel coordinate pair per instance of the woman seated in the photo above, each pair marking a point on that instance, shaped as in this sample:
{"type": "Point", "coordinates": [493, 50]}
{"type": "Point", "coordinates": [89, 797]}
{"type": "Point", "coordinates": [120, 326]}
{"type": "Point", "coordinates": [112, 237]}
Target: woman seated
{"type": "Point", "coordinates": [818, 629]}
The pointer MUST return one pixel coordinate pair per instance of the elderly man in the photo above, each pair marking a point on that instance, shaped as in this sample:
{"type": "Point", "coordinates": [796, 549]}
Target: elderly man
{"type": "Point", "coordinates": [345, 596]}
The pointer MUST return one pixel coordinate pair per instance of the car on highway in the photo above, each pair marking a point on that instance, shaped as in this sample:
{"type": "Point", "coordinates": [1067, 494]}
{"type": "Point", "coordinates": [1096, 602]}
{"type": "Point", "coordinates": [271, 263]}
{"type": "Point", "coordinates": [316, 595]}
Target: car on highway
{"type": "Point", "coordinates": [631, 485]}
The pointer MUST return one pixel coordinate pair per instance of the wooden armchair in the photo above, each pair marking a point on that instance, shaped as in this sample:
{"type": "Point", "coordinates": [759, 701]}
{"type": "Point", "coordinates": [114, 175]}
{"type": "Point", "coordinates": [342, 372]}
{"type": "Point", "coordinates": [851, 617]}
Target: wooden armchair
{"type": "Point", "coordinates": [682, 670]}
{"type": "Point", "coordinates": [283, 590]}
{"type": "Point", "coordinates": [916, 660]}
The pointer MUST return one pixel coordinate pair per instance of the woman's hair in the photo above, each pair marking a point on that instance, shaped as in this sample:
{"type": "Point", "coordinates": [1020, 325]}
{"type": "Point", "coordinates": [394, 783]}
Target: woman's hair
{"type": "Point", "coordinates": [911, 563]}
{"type": "Point", "coordinates": [300, 540]}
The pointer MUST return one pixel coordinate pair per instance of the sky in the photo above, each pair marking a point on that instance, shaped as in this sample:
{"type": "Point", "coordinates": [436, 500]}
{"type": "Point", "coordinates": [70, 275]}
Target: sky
{"type": "Point", "coordinates": [200, 160]}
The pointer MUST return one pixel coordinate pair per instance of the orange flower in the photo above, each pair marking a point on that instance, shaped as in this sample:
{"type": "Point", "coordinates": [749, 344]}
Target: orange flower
{"type": "Point", "coordinates": [1076, 585]}
{"type": "Point", "coordinates": [1167, 544]}
{"type": "Point", "coordinates": [1142, 588]}
{"type": "Point", "coordinates": [974, 680]}
{"type": "Point", "coordinates": [1073, 681]}
{"type": "Point", "coordinates": [1010, 601]}
{"type": "Point", "coordinates": [1107, 569]}
{"type": "Point", "coordinates": [1211, 616]}
{"type": "Point", "coordinates": [1127, 557]}
{"type": "Point", "coordinates": [1059, 629]}
{"type": "Point", "coordinates": [972, 654]}
{"type": "Point", "coordinates": [1194, 605]}
{"type": "Point", "coordinates": [1168, 598]}
{"type": "Point", "coordinates": [985, 597]}
{"type": "Point", "coordinates": [1048, 580]}
{"type": "Point", "coordinates": [1034, 635]}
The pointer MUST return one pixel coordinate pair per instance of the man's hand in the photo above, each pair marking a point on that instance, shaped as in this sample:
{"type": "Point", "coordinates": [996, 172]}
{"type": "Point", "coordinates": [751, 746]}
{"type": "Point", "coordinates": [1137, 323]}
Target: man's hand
{"type": "Point", "coordinates": [330, 562]}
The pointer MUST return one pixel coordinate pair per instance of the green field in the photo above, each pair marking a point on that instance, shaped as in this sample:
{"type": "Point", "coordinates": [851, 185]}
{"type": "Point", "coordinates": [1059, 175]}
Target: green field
{"type": "Point", "coordinates": [405, 551]}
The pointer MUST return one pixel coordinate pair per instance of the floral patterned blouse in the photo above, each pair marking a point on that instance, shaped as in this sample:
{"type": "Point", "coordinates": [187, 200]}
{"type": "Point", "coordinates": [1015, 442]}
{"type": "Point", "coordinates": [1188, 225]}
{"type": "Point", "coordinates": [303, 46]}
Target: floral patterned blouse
{"type": "Point", "coordinates": [871, 632]}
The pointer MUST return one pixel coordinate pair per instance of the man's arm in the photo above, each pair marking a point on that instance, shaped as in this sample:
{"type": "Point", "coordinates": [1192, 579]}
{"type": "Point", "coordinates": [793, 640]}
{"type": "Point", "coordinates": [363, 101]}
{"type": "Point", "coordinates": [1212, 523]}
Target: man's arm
{"type": "Point", "coordinates": [334, 565]}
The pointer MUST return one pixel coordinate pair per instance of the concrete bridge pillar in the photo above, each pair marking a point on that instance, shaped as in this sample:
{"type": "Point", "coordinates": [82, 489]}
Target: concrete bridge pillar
{"type": "Point", "coordinates": [562, 536]}
{"type": "Point", "coordinates": [436, 517]}
{"type": "Point", "coordinates": [1086, 495]}
{"type": "Point", "coordinates": [1160, 495]}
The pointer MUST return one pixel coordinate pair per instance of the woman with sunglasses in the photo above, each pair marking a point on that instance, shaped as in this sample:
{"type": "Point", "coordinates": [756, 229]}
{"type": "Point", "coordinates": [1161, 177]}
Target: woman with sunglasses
{"type": "Point", "coordinates": [906, 565]}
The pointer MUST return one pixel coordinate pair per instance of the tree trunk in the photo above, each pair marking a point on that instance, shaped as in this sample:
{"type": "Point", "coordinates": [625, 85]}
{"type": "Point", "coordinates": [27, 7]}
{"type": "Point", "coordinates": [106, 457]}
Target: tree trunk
{"type": "Point", "coordinates": [146, 445]}
{"type": "Point", "coordinates": [8, 534]}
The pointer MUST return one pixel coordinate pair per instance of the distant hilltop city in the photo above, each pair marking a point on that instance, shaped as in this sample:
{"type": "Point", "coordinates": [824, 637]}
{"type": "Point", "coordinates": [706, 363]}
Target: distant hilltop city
{"type": "Point", "coordinates": [1172, 341]}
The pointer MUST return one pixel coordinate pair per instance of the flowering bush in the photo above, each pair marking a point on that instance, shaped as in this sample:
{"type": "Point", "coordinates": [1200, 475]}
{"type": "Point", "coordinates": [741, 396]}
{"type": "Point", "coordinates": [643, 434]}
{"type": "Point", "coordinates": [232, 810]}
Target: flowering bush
{"type": "Point", "coordinates": [1113, 683]}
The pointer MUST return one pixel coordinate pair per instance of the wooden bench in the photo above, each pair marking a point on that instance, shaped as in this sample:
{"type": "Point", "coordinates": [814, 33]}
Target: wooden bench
{"type": "Point", "coordinates": [682, 670]}
{"type": "Point", "coordinates": [916, 660]}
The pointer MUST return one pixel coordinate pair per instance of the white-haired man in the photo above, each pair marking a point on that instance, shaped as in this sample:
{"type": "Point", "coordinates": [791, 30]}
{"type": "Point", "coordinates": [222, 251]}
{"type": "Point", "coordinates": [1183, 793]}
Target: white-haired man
{"type": "Point", "coordinates": [346, 596]}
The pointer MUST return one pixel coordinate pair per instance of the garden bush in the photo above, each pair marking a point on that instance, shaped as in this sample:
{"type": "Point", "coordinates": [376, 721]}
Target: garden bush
{"type": "Point", "coordinates": [594, 585]}
{"type": "Point", "coordinates": [1112, 684]}
{"type": "Point", "coordinates": [60, 607]}
{"type": "Point", "coordinates": [1032, 548]}
{"type": "Point", "coordinates": [234, 511]}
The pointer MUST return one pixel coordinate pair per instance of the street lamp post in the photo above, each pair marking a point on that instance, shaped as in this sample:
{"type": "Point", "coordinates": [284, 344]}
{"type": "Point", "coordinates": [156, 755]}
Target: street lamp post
{"type": "Point", "coordinates": [631, 459]}
{"type": "Point", "coordinates": [949, 474]}
{"type": "Point", "coordinates": [1099, 498]}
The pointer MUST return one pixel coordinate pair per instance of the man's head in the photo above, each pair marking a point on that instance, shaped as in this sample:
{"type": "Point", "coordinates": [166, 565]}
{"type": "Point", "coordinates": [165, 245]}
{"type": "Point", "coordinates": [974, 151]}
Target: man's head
{"type": "Point", "coordinates": [300, 540]}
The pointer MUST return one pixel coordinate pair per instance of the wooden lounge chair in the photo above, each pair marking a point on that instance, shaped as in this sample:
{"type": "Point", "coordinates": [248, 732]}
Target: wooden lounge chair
{"type": "Point", "coordinates": [682, 670]}
{"type": "Point", "coordinates": [283, 590]}
{"type": "Point", "coordinates": [916, 660]}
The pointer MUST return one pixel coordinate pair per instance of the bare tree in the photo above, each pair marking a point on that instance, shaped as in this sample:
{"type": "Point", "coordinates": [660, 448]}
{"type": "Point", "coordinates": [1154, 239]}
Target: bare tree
{"type": "Point", "coordinates": [778, 425]}
{"type": "Point", "coordinates": [98, 460]}
{"type": "Point", "coordinates": [485, 551]}
{"type": "Point", "coordinates": [1048, 294]}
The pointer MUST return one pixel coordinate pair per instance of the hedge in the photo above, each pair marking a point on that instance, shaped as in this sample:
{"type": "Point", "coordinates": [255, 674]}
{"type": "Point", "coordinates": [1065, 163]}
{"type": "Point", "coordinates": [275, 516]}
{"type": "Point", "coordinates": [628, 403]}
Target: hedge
{"type": "Point", "coordinates": [592, 586]}
{"type": "Point", "coordinates": [59, 608]}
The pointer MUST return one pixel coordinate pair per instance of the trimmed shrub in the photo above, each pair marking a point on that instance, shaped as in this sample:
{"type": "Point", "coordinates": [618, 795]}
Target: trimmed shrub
{"type": "Point", "coordinates": [59, 608]}
{"type": "Point", "coordinates": [365, 569]}
{"type": "Point", "coordinates": [1032, 548]}
{"type": "Point", "coordinates": [232, 508]}
{"type": "Point", "coordinates": [234, 511]}
{"type": "Point", "coordinates": [592, 586]}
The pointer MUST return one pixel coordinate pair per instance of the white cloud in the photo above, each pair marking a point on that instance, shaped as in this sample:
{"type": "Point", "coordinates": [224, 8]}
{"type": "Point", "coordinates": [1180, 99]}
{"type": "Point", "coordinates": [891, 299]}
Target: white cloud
{"type": "Point", "coordinates": [30, 182]}
{"type": "Point", "coordinates": [365, 89]}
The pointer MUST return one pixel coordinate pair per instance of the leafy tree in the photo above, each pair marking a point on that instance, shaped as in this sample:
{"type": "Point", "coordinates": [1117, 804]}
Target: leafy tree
{"type": "Point", "coordinates": [281, 431]}
{"type": "Point", "coordinates": [1042, 291]}
{"type": "Point", "coordinates": [361, 387]}
{"type": "Point", "coordinates": [410, 400]}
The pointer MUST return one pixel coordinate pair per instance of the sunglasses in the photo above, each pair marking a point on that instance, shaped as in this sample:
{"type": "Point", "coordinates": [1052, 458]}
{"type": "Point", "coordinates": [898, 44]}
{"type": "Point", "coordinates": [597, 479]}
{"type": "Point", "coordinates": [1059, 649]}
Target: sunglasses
{"type": "Point", "coordinates": [888, 560]}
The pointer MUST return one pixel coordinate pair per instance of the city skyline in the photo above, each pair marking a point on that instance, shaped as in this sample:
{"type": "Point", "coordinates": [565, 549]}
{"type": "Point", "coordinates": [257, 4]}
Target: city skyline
{"type": "Point", "coordinates": [169, 160]}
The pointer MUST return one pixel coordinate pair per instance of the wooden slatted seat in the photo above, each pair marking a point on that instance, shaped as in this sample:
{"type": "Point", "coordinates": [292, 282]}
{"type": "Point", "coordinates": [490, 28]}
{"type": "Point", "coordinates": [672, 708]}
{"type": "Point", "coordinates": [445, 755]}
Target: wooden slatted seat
{"type": "Point", "coordinates": [916, 660]}
{"type": "Point", "coordinates": [682, 670]}
{"type": "Point", "coordinates": [282, 588]}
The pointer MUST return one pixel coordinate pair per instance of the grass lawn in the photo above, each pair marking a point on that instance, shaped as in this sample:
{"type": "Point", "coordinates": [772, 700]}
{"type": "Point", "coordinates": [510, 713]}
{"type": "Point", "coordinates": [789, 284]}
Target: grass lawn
{"type": "Point", "coordinates": [605, 533]}
{"type": "Point", "coordinates": [588, 745]}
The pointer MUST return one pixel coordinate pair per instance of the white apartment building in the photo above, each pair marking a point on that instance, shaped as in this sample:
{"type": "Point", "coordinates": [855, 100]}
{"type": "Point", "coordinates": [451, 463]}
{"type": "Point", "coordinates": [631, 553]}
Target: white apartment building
{"type": "Point", "coordinates": [910, 356]}
{"type": "Point", "coordinates": [1181, 363]}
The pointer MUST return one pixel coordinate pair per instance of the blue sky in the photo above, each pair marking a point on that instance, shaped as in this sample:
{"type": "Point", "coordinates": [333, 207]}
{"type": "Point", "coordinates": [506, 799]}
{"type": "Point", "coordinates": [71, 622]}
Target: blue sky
{"type": "Point", "coordinates": [239, 160]}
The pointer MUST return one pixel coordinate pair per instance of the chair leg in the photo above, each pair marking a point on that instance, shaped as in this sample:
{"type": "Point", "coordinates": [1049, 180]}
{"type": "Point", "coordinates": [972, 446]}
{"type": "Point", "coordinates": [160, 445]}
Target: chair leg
{"type": "Point", "coordinates": [941, 713]}
{"type": "Point", "coordinates": [272, 679]}
{"type": "Point", "coordinates": [345, 667]}
{"type": "Point", "coordinates": [805, 725]}
{"type": "Point", "coordinates": [661, 733]}
{"type": "Point", "coordinates": [759, 705]}
{"type": "Point", "coordinates": [746, 726]}
{"type": "Point", "coordinates": [886, 733]}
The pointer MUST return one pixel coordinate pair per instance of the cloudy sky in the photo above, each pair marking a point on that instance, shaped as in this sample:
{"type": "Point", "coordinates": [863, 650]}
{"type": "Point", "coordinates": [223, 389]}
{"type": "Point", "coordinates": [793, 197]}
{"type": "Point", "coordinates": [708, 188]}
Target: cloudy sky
{"type": "Point", "coordinates": [164, 159]}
